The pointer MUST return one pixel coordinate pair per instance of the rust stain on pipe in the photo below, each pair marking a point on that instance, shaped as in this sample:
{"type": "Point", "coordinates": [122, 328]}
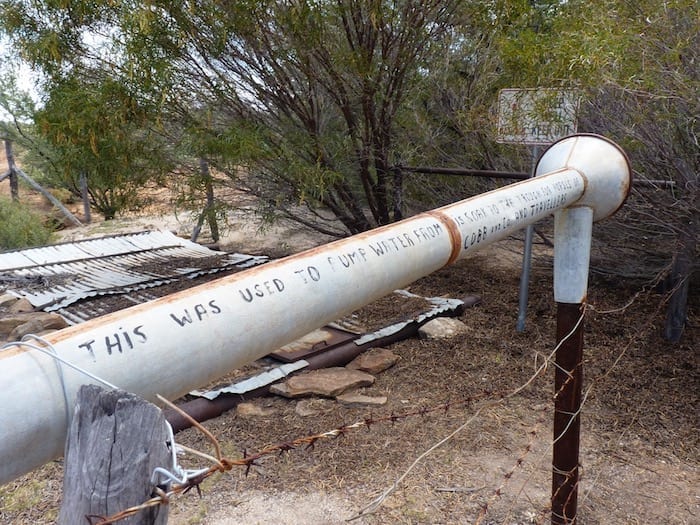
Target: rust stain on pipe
{"type": "Point", "coordinates": [452, 230]}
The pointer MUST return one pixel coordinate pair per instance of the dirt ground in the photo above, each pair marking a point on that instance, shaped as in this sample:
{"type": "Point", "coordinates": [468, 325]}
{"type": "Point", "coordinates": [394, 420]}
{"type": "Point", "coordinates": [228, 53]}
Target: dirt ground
{"type": "Point", "coordinates": [640, 441]}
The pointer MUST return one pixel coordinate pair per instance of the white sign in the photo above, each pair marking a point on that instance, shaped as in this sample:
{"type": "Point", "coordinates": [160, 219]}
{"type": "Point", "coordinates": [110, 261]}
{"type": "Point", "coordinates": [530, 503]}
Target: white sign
{"type": "Point", "coordinates": [536, 116]}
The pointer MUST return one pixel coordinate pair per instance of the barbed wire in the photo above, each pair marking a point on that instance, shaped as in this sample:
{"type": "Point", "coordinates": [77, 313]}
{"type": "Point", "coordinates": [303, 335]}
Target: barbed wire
{"type": "Point", "coordinates": [377, 502]}
{"type": "Point", "coordinates": [656, 281]}
{"type": "Point", "coordinates": [221, 464]}
{"type": "Point", "coordinates": [645, 328]}
{"type": "Point", "coordinates": [193, 479]}
{"type": "Point", "coordinates": [182, 481]}
{"type": "Point", "coordinates": [519, 462]}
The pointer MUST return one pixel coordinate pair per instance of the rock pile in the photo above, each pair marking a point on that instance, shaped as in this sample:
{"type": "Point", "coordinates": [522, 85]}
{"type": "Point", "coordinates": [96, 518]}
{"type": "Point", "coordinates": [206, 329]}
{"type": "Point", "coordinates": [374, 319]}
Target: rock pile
{"type": "Point", "coordinates": [18, 318]}
{"type": "Point", "coordinates": [316, 391]}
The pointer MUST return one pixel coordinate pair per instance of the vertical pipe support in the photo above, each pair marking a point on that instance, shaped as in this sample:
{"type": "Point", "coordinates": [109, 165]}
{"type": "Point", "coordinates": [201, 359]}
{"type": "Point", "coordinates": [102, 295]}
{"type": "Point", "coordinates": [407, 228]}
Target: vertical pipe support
{"type": "Point", "coordinates": [608, 180]}
{"type": "Point", "coordinates": [572, 240]}
{"type": "Point", "coordinates": [527, 261]}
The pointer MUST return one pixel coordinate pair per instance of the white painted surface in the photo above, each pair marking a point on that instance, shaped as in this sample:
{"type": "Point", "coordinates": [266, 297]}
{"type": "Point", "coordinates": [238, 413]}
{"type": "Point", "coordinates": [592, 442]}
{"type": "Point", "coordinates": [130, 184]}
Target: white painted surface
{"type": "Point", "coordinates": [573, 228]}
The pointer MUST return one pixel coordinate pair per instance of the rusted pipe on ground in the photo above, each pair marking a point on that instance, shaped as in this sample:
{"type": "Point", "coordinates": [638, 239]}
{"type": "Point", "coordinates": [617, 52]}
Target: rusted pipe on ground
{"type": "Point", "coordinates": [202, 409]}
{"type": "Point", "coordinates": [183, 341]}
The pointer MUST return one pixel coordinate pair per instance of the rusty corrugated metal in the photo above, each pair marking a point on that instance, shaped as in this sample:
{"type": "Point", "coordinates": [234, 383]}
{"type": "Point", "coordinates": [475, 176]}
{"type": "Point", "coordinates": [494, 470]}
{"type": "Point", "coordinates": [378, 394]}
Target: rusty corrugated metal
{"type": "Point", "coordinates": [53, 278]}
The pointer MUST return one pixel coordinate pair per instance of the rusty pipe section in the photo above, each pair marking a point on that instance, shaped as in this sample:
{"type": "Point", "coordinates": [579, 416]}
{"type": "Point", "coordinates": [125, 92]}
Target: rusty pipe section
{"type": "Point", "coordinates": [573, 229]}
{"type": "Point", "coordinates": [174, 344]}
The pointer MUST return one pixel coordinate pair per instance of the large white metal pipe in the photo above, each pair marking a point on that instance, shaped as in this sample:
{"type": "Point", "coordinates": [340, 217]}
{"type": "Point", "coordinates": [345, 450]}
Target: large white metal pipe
{"type": "Point", "coordinates": [171, 345]}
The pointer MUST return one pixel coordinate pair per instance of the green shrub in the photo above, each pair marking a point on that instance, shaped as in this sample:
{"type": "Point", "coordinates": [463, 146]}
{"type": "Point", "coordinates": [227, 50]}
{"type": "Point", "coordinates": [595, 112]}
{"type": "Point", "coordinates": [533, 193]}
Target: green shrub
{"type": "Point", "coordinates": [62, 195]}
{"type": "Point", "coordinates": [20, 227]}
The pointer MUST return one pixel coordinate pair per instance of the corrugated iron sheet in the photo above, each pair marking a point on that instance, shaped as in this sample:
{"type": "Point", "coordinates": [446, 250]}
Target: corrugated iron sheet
{"type": "Point", "coordinates": [54, 277]}
{"type": "Point", "coordinates": [249, 384]}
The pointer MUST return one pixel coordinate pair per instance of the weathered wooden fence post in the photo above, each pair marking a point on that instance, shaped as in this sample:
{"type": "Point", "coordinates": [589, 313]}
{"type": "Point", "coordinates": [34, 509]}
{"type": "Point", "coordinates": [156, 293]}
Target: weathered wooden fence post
{"type": "Point", "coordinates": [115, 441]}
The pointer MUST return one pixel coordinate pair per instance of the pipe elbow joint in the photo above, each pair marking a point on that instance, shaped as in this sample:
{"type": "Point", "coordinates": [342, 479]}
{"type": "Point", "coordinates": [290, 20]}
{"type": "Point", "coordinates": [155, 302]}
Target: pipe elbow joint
{"type": "Point", "coordinates": [603, 165]}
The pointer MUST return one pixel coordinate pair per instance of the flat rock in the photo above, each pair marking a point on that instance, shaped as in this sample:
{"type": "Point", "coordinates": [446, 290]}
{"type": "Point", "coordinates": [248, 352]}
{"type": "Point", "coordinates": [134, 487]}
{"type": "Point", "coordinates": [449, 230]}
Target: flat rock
{"type": "Point", "coordinates": [353, 399]}
{"type": "Point", "coordinates": [20, 324]}
{"type": "Point", "coordinates": [328, 382]}
{"type": "Point", "coordinates": [7, 299]}
{"type": "Point", "coordinates": [374, 361]}
{"type": "Point", "coordinates": [10, 321]}
{"type": "Point", "coordinates": [442, 328]}
{"type": "Point", "coordinates": [21, 305]}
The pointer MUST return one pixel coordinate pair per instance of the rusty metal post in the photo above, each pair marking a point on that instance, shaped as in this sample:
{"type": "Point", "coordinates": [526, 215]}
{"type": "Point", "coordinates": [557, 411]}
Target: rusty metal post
{"type": "Point", "coordinates": [568, 378]}
{"type": "Point", "coordinates": [573, 228]}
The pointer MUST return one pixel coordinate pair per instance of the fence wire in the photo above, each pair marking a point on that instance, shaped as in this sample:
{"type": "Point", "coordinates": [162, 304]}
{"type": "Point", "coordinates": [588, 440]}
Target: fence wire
{"type": "Point", "coordinates": [486, 399]}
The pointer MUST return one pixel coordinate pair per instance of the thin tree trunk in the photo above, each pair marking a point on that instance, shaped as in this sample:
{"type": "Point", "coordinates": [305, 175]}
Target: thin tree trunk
{"type": "Point", "coordinates": [210, 209]}
{"type": "Point", "coordinates": [397, 194]}
{"type": "Point", "coordinates": [14, 185]}
{"type": "Point", "coordinates": [380, 193]}
{"type": "Point", "coordinates": [50, 197]}
{"type": "Point", "coordinates": [198, 227]}
{"type": "Point", "coordinates": [358, 222]}
{"type": "Point", "coordinates": [86, 198]}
